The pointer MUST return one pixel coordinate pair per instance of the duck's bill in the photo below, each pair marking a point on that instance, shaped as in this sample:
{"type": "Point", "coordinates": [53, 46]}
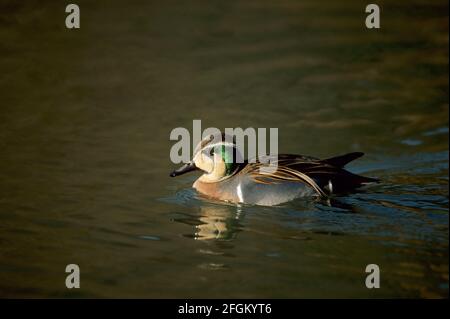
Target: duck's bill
{"type": "Point", "coordinates": [186, 168]}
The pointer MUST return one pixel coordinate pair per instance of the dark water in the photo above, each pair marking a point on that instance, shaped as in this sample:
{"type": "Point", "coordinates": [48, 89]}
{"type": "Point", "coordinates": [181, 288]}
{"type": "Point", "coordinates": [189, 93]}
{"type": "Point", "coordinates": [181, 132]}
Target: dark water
{"type": "Point", "coordinates": [84, 135]}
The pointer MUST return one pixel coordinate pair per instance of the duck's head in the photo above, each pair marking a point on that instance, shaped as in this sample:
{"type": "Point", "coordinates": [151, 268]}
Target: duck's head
{"type": "Point", "coordinates": [216, 156]}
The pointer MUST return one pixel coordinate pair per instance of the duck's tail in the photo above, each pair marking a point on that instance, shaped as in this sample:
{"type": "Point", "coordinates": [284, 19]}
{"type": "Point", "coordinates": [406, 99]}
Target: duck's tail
{"type": "Point", "coordinates": [344, 180]}
{"type": "Point", "coordinates": [342, 160]}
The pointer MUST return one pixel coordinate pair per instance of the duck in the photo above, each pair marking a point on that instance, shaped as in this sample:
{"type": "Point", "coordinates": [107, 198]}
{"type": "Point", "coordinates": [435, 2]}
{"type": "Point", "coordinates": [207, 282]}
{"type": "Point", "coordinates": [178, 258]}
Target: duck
{"type": "Point", "coordinates": [226, 178]}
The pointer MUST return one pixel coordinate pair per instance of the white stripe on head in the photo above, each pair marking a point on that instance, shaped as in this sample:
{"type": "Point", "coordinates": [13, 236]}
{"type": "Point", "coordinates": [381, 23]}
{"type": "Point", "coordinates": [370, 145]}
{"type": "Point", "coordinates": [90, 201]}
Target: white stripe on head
{"type": "Point", "coordinates": [220, 144]}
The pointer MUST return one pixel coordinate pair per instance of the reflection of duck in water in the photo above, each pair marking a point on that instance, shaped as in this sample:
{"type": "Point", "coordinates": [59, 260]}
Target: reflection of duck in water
{"type": "Point", "coordinates": [218, 222]}
{"type": "Point", "coordinates": [295, 175]}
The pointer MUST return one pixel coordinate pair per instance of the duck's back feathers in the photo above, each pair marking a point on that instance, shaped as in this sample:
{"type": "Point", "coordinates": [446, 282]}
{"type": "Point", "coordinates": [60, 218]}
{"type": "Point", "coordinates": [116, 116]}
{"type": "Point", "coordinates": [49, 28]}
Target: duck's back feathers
{"type": "Point", "coordinates": [324, 176]}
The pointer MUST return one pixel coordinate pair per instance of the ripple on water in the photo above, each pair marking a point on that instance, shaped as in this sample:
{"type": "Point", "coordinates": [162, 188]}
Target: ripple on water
{"type": "Point", "coordinates": [214, 266]}
{"type": "Point", "coordinates": [147, 237]}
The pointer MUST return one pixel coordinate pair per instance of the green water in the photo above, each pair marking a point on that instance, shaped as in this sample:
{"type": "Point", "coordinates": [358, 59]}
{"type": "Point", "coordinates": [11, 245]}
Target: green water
{"type": "Point", "coordinates": [85, 121]}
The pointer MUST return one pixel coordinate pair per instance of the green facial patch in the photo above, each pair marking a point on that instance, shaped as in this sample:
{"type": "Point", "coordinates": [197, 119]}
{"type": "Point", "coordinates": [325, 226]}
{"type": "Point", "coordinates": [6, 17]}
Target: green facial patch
{"type": "Point", "coordinates": [227, 156]}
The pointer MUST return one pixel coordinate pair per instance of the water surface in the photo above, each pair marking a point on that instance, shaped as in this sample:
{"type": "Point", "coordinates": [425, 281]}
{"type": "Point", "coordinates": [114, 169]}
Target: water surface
{"type": "Point", "coordinates": [85, 121]}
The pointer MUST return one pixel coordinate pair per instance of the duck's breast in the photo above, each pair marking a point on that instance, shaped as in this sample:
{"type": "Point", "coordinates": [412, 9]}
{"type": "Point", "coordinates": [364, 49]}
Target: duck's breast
{"type": "Point", "coordinates": [244, 189]}
{"type": "Point", "coordinates": [224, 190]}
{"type": "Point", "coordinates": [273, 193]}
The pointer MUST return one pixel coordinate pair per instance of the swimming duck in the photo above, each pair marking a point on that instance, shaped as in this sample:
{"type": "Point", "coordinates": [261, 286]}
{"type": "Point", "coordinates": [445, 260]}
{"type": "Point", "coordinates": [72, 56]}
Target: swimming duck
{"type": "Point", "coordinates": [294, 176]}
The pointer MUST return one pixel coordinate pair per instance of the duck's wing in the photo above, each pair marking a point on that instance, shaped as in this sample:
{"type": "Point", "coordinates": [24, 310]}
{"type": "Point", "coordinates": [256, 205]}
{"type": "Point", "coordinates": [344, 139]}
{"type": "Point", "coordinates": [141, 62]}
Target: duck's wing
{"type": "Point", "coordinates": [284, 171]}
{"type": "Point", "coordinates": [294, 160]}
{"type": "Point", "coordinates": [321, 175]}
